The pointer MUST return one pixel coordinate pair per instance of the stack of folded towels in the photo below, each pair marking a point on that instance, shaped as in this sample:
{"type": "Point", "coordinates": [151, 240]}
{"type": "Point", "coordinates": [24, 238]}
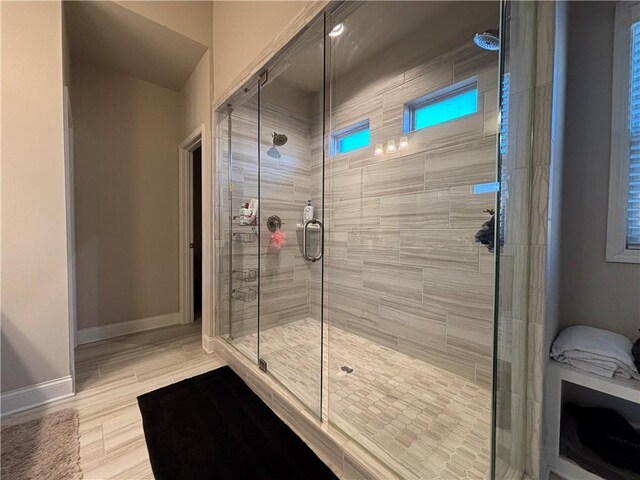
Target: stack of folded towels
{"type": "Point", "coordinates": [595, 350]}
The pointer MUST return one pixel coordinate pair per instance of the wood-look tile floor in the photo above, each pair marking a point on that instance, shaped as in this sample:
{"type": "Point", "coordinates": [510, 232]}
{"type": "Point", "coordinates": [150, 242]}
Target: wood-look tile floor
{"type": "Point", "coordinates": [110, 375]}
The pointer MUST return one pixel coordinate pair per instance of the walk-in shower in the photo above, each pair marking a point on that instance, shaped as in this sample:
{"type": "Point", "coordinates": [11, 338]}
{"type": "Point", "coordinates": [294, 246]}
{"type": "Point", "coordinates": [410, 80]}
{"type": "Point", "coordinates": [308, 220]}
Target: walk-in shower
{"type": "Point", "coordinates": [349, 264]}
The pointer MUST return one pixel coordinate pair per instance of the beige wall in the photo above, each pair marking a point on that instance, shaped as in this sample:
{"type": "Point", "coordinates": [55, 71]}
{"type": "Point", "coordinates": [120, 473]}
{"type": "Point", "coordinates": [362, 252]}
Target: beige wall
{"type": "Point", "coordinates": [34, 295]}
{"type": "Point", "coordinates": [66, 52]}
{"type": "Point", "coordinates": [188, 18]}
{"type": "Point", "coordinates": [126, 170]}
{"type": "Point", "coordinates": [194, 98]}
{"type": "Point", "coordinates": [241, 30]}
{"type": "Point", "coordinates": [593, 292]}
{"type": "Point", "coordinates": [35, 330]}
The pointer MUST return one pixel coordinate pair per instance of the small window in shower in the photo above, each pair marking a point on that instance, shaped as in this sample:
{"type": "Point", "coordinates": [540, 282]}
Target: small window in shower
{"type": "Point", "coordinates": [351, 138]}
{"type": "Point", "coordinates": [451, 103]}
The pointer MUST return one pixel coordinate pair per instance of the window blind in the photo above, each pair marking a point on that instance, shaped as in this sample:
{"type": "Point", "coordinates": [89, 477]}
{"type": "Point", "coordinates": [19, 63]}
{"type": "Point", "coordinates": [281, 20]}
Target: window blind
{"type": "Point", "coordinates": [633, 198]}
{"type": "Point", "coordinates": [504, 144]}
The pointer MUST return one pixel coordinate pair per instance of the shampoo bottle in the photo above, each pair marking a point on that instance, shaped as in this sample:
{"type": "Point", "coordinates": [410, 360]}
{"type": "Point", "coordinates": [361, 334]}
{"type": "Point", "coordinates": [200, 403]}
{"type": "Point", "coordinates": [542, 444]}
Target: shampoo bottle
{"type": "Point", "coordinates": [308, 212]}
{"type": "Point", "coordinates": [243, 214]}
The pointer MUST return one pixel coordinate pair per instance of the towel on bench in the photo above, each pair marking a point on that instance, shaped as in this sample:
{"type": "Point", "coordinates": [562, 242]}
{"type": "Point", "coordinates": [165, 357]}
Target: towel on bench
{"type": "Point", "coordinates": [595, 350]}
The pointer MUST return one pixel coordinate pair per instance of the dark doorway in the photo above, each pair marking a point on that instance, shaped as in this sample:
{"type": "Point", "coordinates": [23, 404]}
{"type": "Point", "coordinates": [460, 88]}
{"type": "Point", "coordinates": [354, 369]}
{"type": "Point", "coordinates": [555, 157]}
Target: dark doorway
{"type": "Point", "coordinates": [197, 232]}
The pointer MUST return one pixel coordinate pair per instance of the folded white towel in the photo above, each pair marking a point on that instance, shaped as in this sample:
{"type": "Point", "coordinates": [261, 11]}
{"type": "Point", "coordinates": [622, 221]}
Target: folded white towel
{"type": "Point", "coordinates": [595, 350]}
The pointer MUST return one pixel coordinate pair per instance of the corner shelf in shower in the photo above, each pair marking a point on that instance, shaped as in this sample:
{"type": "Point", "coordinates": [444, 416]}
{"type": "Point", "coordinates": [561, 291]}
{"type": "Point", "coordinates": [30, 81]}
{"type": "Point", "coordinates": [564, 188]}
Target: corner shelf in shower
{"type": "Point", "coordinates": [245, 237]}
{"type": "Point", "coordinates": [245, 294]}
{"type": "Point", "coordinates": [243, 225]}
{"type": "Point", "coordinates": [246, 274]}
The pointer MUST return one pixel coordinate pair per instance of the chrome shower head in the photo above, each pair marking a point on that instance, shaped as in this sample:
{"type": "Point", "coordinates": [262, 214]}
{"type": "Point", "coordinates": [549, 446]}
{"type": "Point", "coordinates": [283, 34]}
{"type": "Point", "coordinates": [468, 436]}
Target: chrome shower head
{"type": "Point", "coordinates": [487, 40]}
{"type": "Point", "coordinates": [279, 139]}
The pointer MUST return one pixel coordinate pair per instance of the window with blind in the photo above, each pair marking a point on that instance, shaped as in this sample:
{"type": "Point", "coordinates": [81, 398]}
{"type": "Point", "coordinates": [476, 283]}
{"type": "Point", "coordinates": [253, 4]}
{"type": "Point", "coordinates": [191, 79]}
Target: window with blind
{"type": "Point", "coordinates": [504, 147]}
{"type": "Point", "coordinates": [623, 230]}
{"type": "Point", "coordinates": [633, 192]}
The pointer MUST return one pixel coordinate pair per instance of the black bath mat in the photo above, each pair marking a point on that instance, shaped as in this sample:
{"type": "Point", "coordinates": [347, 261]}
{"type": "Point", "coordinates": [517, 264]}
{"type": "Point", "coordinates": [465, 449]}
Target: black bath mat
{"type": "Point", "coordinates": [214, 427]}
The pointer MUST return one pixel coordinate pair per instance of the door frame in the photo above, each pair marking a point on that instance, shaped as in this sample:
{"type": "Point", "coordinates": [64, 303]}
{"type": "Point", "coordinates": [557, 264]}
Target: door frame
{"type": "Point", "coordinates": [185, 175]}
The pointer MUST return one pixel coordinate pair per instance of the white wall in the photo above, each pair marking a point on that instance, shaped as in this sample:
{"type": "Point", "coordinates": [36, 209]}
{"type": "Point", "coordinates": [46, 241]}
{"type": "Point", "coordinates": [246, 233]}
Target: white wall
{"type": "Point", "coordinates": [593, 292]}
{"type": "Point", "coordinates": [126, 175]}
{"type": "Point", "coordinates": [34, 292]}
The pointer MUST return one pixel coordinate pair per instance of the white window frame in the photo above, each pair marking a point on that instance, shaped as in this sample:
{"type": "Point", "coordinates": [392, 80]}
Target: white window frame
{"type": "Point", "coordinates": [617, 251]}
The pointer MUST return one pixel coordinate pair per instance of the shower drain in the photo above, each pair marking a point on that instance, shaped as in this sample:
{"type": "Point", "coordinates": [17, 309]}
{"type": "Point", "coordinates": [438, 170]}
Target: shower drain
{"type": "Point", "coordinates": [344, 368]}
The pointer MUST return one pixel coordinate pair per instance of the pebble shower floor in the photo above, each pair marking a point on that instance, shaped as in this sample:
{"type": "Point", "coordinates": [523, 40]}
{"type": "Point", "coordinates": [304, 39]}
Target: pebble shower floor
{"type": "Point", "coordinates": [422, 421]}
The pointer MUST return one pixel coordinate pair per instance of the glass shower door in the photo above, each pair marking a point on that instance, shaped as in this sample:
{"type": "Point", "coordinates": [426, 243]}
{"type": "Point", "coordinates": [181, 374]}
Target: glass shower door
{"type": "Point", "coordinates": [239, 234]}
{"type": "Point", "coordinates": [290, 186]}
{"type": "Point", "coordinates": [409, 272]}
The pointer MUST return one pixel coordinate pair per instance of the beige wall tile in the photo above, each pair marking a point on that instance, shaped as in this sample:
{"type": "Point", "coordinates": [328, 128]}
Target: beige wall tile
{"type": "Point", "coordinates": [460, 292]}
{"type": "Point", "coordinates": [467, 208]}
{"type": "Point", "coordinates": [415, 210]}
{"type": "Point", "coordinates": [355, 212]}
{"type": "Point", "coordinates": [376, 244]}
{"type": "Point", "coordinates": [403, 175]}
{"type": "Point", "coordinates": [421, 323]}
{"type": "Point", "coordinates": [469, 337]}
{"type": "Point", "coordinates": [352, 306]}
{"type": "Point", "coordinates": [461, 164]}
{"type": "Point", "coordinates": [445, 249]}
{"type": "Point", "coordinates": [344, 272]}
{"type": "Point", "coordinates": [403, 281]}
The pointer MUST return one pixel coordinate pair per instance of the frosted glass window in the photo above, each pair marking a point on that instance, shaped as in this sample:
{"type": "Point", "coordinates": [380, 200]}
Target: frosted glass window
{"type": "Point", "coordinates": [451, 108]}
{"type": "Point", "coordinates": [352, 138]}
{"type": "Point", "coordinates": [445, 105]}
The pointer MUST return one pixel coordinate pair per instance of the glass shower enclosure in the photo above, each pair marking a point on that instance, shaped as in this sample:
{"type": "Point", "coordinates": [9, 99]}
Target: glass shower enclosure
{"type": "Point", "coordinates": [359, 201]}
{"type": "Point", "coordinates": [274, 163]}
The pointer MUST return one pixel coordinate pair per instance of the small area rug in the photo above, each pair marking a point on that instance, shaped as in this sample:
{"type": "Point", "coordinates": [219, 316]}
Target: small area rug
{"type": "Point", "coordinates": [214, 426]}
{"type": "Point", "coordinates": [46, 448]}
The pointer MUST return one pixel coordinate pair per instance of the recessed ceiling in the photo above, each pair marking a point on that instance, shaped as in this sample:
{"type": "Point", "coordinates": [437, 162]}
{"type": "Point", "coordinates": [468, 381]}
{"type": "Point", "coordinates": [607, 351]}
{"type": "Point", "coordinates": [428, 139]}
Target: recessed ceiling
{"type": "Point", "coordinates": [114, 37]}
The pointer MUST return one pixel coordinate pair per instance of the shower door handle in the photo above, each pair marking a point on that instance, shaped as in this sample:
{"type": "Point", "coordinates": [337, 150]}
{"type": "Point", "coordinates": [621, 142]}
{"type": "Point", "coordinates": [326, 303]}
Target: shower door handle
{"type": "Point", "coordinates": [306, 256]}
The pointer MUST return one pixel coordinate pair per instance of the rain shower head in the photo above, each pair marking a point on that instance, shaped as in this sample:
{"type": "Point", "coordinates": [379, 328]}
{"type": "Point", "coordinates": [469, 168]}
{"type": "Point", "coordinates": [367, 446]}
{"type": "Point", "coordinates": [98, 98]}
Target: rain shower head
{"type": "Point", "coordinates": [279, 139]}
{"type": "Point", "coordinates": [487, 40]}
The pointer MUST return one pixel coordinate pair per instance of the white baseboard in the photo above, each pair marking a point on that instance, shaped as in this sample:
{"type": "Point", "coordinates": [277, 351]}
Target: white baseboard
{"type": "Point", "coordinates": [94, 334]}
{"type": "Point", "coordinates": [35, 395]}
{"type": "Point", "coordinates": [207, 343]}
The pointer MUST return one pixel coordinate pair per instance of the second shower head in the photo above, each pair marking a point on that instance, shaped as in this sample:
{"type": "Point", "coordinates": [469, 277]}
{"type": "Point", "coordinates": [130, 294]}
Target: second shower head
{"type": "Point", "coordinates": [487, 40]}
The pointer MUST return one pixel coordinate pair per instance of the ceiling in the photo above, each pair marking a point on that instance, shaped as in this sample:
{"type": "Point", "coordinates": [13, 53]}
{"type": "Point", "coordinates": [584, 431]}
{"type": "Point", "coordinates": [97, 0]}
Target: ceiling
{"type": "Point", "coordinates": [114, 37]}
{"type": "Point", "coordinates": [381, 25]}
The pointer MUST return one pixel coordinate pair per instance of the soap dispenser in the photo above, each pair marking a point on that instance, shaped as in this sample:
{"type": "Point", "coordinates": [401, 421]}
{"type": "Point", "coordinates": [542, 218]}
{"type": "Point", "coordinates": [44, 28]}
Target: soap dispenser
{"type": "Point", "coordinates": [307, 214]}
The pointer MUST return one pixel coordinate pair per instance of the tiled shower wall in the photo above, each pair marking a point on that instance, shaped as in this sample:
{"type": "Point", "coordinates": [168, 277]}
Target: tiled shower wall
{"type": "Point", "coordinates": [521, 352]}
{"type": "Point", "coordinates": [401, 264]}
{"type": "Point", "coordinates": [402, 267]}
{"type": "Point", "coordinates": [285, 188]}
